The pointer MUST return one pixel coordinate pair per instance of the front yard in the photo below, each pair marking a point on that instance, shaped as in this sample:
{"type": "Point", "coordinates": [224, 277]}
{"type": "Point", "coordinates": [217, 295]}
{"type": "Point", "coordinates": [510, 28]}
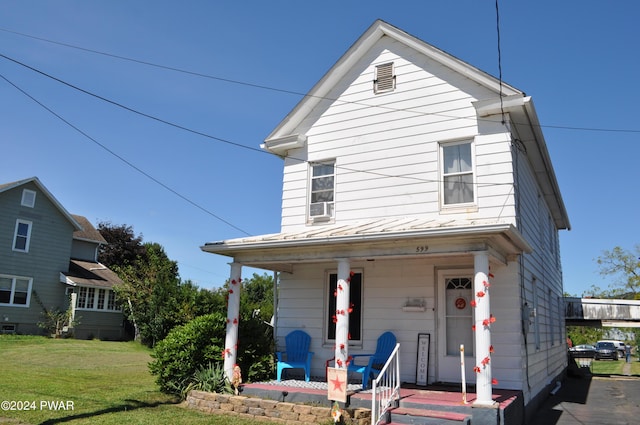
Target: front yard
{"type": "Point", "coordinates": [46, 381]}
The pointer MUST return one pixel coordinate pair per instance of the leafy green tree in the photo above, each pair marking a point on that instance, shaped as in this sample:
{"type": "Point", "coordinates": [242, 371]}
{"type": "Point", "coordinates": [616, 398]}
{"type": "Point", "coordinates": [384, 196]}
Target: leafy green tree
{"type": "Point", "coordinates": [256, 298]}
{"type": "Point", "coordinates": [624, 266]}
{"type": "Point", "coordinates": [152, 295]}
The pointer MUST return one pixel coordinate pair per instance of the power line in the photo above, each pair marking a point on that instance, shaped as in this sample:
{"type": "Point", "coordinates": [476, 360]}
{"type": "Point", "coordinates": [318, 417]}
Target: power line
{"type": "Point", "coordinates": [275, 89]}
{"type": "Point", "coordinates": [163, 121]}
{"type": "Point", "coordinates": [121, 158]}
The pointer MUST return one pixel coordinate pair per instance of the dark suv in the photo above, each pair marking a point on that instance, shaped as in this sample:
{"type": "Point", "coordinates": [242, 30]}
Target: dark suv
{"type": "Point", "coordinates": [606, 350]}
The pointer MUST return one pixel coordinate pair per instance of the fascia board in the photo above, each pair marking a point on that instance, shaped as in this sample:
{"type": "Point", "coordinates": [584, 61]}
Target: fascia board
{"type": "Point", "coordinates": [485, 230]}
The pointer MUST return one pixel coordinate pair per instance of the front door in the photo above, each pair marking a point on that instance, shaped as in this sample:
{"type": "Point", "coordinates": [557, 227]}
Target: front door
{"type": "Point", "coordinates": [455, 325]}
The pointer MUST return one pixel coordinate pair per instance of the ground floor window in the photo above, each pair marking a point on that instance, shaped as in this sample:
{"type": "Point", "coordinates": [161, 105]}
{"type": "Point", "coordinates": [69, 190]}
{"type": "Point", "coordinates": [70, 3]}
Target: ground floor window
{"type": "Point", "coordinates": [15, 290]}
{"type": "Point", "coordinates": [96, 299]}
{"type": "Point", "coordinates": [355, 301]}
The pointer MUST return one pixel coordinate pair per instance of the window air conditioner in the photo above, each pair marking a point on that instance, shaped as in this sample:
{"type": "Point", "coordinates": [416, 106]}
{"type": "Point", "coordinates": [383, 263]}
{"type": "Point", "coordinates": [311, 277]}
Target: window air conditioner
{"type": "Point", "coordinates": [321, 211]}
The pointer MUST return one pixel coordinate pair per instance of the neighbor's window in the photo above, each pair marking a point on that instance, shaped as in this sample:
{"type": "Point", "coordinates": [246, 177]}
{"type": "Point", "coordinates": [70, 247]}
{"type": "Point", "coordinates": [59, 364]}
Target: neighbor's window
{"type": "Point", "coordinates": [322, 187]}
{"type": "Point", "coordinates": [22, 236]}
{"type": "Point", "coordinates": [355, 301]}
{"type": "Point", "coordinates": [96, 299]}
{"type": "Point", "coordinates": [457, 173]}
{"type": "Point", "coordinates": [28, 198]}
{"type": "Point", "coordinates": [15, 290]}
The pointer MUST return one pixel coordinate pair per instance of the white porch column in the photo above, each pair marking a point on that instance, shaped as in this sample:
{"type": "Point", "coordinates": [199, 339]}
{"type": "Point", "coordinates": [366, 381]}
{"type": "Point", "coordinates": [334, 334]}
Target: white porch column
{"type": "Point", "coordinates": [230, 352]}
{"type": "Point", "coordinates": [482, 320]}
{"type": "Point", "coordinates": [342, 313]}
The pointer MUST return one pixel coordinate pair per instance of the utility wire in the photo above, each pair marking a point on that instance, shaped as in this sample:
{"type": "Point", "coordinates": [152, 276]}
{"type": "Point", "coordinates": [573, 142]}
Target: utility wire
{"type": "Point", "coordinates": [163, 121]}
{"type": "Point", "coordinates": [275, 89]}
{"type": "Point", "coordinates": [121, 158]}
{"type": "Point", "coordinates": [499, 61]}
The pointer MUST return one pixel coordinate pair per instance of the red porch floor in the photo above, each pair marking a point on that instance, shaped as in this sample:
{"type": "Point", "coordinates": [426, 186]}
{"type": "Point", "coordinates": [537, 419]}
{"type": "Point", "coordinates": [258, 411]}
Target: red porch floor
{"type": "Point", "coordinates": [445, 399]}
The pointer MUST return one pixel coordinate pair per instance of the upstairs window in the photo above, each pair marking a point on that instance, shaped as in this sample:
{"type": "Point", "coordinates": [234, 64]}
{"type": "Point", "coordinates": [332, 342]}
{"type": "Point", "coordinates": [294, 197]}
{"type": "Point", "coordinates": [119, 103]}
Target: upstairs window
{"type": "Point", "coordinates": [457, 173]}
{"type": "Point", "coordinates": [385, 80]}
{"type": "Point", "coordinates": [322, 186]}
{"type": "Point", "coordinates": [28, 198]}
{"type": "Point", "coordinates": [22, 236]}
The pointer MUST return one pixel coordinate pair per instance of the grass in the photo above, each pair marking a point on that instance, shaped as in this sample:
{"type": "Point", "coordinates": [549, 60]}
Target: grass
{"type": "Point", "coordinates": [611, 367]}
{"type": "Point", "coordinates": [105, 382]}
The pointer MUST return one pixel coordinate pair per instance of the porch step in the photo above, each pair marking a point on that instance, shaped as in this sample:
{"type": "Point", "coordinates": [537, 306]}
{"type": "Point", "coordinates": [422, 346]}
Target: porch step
{"type": "Point", "coordinates": [404, 415]}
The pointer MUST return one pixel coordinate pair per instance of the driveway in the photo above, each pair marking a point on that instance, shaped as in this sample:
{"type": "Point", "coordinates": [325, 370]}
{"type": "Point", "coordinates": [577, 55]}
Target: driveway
{"type": "Point", "coordinates": [593, 400]}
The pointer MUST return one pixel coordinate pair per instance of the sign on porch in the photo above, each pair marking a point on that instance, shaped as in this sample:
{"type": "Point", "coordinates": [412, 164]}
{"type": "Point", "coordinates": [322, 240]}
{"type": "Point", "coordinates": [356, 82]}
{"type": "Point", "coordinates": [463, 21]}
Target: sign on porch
{"type": "Point", "coordinates": [337, 384]}
{"type": "Point", "coordinates": [422, 369]}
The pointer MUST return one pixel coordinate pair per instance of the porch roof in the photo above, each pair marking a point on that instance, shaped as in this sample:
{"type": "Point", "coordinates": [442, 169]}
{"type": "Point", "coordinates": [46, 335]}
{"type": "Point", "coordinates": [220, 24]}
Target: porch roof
{"type": "Point", "coordinates": [381, 238]}
{"type": "Point", "coordinates": [90, 274]}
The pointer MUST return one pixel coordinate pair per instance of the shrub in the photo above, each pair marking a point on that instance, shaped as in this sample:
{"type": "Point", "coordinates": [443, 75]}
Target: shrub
{"type": "Point", "coordinates": [182, 357]}
{"type": "Point", "coordinates": [185, 349]}
{"type": "Point", "coordinates": [209, 378]}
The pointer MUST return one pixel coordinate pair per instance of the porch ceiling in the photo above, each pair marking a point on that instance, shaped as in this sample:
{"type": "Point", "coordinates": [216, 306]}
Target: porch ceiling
{"type": "Point", "coordinates": [377, 239]}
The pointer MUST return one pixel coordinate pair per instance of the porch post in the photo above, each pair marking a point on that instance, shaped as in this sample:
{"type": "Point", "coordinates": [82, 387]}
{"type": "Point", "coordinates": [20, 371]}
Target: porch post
{"type": "Point", "coordinates": [342, 313]}
{"type": "Point", "coordinates": [230, 352]}
{"type": "Point", "coordinates": [482, 321]}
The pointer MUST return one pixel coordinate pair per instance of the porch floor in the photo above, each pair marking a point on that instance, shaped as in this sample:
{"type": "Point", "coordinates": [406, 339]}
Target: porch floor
{"type": "Point", "coordinates": [446, 399]}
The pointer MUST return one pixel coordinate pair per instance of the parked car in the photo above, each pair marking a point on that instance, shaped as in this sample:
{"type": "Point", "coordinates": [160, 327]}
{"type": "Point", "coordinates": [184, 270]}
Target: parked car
{"type": "Point", "coordinates": [620, 346]}
{"type": "Point", "coordinates": [583, 351]}
{"type": "Point", "coordinates": [606, 350]}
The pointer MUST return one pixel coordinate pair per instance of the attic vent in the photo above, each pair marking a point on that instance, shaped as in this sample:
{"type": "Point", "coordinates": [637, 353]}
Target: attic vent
{"type": "Point", "coordinates": [384, 81]}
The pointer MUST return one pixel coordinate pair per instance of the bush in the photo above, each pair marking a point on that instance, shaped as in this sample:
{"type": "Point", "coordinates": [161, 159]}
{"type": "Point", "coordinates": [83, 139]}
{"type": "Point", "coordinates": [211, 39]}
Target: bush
{"type": "Point", "coordinates": [182, 357]}
{"type": "Point", "coordinates": [209, 378]}
{"type": "Point", "coordinates": [185, 349]}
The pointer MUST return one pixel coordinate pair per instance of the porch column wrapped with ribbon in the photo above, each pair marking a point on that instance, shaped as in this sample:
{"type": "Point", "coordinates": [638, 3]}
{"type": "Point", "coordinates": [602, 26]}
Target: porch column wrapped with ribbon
{"type": "Point", "coordinates": [342, 314]}
{"type": "Point", "coordinates": [230, 353]}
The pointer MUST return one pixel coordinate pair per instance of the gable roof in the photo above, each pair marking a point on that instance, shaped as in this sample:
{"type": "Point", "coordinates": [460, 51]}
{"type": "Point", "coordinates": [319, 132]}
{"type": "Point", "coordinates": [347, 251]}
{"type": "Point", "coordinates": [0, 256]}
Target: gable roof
{"type": "Point", "coordinates": [524, 119]}
{"type": "Point", "coordinates": [88, 232]}
{"type": "Point", "coordinates": [284, 135]}
{"type": "Point", "coordinates": [8, 186]}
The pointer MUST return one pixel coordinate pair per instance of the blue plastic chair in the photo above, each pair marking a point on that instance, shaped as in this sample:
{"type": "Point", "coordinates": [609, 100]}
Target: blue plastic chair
{"type": "Point", "coordinates": [386, 344]}
{"type": "Point", "coordinates": [297, 352]}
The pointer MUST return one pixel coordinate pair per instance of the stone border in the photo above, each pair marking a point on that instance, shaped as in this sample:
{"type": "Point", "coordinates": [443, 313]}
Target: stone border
{"type": "Point", "coordinates": [270, 410]}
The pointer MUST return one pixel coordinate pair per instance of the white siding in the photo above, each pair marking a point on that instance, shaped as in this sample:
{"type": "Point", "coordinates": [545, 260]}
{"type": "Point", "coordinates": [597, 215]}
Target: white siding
{"type": "Point", "coordinates": [387, 285]}
{"type": "Point", "coordinates": [386, 145]}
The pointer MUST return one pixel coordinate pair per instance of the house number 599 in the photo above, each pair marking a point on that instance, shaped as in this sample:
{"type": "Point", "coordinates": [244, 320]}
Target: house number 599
{"type": "Point", "coordinates": [422, 248]}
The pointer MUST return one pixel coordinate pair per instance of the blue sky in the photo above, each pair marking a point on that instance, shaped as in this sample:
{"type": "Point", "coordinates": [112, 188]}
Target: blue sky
{"type": "Point", "coordinates": [578, 60]}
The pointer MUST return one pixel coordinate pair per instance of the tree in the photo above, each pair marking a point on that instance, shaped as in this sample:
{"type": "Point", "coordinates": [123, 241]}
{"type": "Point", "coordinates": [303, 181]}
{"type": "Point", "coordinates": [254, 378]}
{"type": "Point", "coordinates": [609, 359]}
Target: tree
{"type": "Point", "coordinates": [624, 266]}
{"type": "Point", "coordinates": [123, 246]}
{"type": "Point", "coordinates": [153, 295]}
{"type": "Point", "coordinates": [256, 298]}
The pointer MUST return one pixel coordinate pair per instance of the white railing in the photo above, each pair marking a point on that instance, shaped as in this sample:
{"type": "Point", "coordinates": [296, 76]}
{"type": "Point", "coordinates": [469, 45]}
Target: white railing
{"type": "Point", "coordinates": [386, 387]}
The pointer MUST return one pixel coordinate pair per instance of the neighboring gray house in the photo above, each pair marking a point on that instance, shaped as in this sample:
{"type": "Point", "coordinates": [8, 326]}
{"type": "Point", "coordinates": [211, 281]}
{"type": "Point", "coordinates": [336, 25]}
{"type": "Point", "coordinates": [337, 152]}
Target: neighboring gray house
{"type": "Point", "coordinates": [424, 186]}
{"type": "Point", "coordinates": [48, 258]}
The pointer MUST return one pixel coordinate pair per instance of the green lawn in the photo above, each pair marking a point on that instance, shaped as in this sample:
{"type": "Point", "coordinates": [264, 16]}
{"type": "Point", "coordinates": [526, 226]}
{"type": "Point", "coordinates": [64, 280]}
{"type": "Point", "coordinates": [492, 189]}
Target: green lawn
{"type": "Point", "coordinates": [100, 382]}
{"type": "Point", "coordinates": [611, 367]}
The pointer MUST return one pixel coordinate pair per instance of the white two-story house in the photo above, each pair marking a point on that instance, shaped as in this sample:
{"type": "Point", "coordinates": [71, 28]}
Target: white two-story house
{"type": "Point", "coordinates": [424, 185]}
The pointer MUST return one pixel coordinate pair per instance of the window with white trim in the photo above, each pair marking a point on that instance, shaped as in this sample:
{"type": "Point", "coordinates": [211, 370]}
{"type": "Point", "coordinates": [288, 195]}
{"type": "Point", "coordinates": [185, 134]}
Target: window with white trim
{"type": "Point", "coordinates": [457, 173]}
{"type": "Point", "coordinates": [22, 236]}
{"type": "Point", "coordinates": [28, 198]}
{"type": "Point", "coordinates": [322, 190]}
{"type": "Point", "coordinates": [96, 299]}
{"type": "Point", "coordinates": [355, 303]}
{"type": "Point", "coordinates": [15, 290]}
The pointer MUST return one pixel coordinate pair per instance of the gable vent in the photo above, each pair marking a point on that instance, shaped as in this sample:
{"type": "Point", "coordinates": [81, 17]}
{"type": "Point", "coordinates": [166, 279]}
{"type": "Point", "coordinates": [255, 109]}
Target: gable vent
{"type": "Point", "coordinates": [384, 81]}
